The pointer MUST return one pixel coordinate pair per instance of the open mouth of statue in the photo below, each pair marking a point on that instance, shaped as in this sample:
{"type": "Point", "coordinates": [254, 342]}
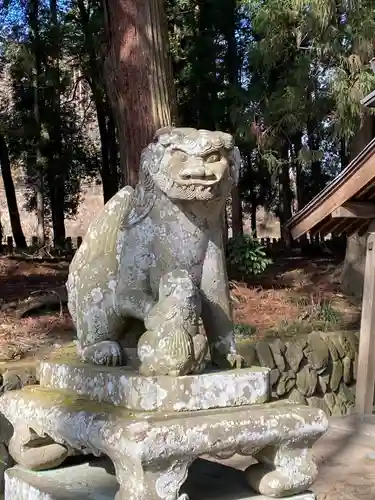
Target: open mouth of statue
{"type": "Point", "coordinates": [190, 177]}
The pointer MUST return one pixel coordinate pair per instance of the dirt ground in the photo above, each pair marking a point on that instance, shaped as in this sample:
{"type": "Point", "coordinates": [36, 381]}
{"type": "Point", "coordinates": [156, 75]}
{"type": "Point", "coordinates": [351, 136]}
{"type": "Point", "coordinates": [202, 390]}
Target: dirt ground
{"type": "Point", "coordinates": [294, 297]}
{"type": "Point", "coordinates": [24, 336]}
{"type": "Point", "coordinates": [346, 466]}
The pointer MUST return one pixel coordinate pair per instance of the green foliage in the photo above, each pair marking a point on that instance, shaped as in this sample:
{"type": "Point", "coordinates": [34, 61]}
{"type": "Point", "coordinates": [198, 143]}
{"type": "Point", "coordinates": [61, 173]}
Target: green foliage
{"type": "Point", "coordinates": [244, 331]}
{"type": "Point", "coordinates": [318, 308]}
{"type": "Point", "coordinates": [246, 256]}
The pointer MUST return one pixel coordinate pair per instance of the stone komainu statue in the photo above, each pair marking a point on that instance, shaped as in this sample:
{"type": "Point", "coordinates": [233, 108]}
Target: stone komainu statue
{"type": "Point", "coordinates": [171, 221]}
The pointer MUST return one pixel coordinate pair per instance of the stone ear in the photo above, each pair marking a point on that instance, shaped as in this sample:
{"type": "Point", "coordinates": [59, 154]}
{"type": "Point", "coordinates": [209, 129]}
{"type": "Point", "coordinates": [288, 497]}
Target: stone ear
{"type": "Point", "coordinates": [151, 157]}
{"type": "Point", "coordinates": [236, 163]}
{"type": "Point", "coordinates": [162, 133]}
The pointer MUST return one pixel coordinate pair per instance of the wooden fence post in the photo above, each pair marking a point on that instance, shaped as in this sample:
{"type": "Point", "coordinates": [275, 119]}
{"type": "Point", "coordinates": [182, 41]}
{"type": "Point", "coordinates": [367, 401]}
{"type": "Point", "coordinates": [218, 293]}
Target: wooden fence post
{"type": "Point", "coordinates": [9, 244]}
{"type": "Point", "coordinates": [68, 244]}
{"type": "Point", "coordinates": [366, 356]}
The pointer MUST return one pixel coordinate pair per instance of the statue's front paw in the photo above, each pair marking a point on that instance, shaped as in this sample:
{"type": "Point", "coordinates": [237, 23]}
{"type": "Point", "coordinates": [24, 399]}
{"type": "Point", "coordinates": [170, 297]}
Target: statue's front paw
{"type": "Point", "coordinates": [235, 360]}
{"type": "Point", "coordinates": [227, 361]}
{"type": "Point", "coordinates": [200, 352]}
{"type": "Point", "coordinates": [107, 353]}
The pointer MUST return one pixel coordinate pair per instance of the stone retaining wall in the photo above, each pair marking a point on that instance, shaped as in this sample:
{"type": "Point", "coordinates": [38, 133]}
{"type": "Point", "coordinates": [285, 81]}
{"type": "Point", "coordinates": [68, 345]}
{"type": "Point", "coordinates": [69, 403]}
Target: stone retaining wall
{"type": "Point", "coordinates": [319, 370]}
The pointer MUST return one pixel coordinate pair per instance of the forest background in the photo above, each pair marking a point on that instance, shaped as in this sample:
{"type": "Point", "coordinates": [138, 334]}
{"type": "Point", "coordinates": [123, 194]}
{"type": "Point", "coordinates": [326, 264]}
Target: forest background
{"type": "Point", "coordinates": [286, 77]}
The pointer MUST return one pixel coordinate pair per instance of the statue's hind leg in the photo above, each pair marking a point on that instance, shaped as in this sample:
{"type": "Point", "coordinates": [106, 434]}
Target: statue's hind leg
{"type": "Point", "coordinates": [98, 324]}
{"type": "Point", "coordinates": [103, 328]}
{"type": "Point", "coordinates": [102, 312]}
{"type": "Point", "coordinates": [98, 330]}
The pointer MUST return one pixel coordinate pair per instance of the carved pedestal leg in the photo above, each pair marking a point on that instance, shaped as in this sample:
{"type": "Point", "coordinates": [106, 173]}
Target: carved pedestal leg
{"type": "Point", "coordinates": [284, 469]}
{"type": "Point", "coordinates": [143, 483]}
{"type": "Point", "coordinates": [5, 463]}
{"type": "Point", "coordinates": [35, 452]}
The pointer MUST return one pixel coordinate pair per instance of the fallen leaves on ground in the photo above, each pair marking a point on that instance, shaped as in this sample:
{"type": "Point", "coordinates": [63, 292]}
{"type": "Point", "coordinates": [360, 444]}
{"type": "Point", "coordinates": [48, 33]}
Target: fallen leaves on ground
{"type": "Point", "coordinates": [278, 297]}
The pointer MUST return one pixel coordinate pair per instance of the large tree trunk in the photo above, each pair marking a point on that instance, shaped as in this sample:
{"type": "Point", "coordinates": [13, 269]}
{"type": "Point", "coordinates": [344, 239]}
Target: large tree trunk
{"type": "Point", "coordinates": [10, 194]}
{"type": "Point", "coordinates": [138, 75]}
{"type": "Point", "coordinates": [354, 265]}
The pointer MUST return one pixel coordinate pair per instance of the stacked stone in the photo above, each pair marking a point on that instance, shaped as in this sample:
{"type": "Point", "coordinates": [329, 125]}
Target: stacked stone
{"type": "Point", "coordinates": [318, 370]}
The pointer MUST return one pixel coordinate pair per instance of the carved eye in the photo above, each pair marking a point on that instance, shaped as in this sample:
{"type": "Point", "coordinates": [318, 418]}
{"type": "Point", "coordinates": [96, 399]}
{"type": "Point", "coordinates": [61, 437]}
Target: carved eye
{"type": "Point", "coordinates": [180, 156]}
{"type": "Point", "coordinates": [212, 158]}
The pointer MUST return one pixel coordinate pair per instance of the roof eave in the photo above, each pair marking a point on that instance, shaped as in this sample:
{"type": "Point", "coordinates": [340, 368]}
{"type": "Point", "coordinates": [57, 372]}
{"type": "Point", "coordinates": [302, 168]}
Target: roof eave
{"type": "Point", "coordinates": [369, 100]}
{"type": "Point", "coordinates": [341, 179]}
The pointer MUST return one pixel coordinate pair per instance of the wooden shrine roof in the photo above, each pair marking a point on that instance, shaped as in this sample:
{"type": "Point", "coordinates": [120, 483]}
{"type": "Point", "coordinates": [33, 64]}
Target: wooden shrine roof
{"type": "Point", "coordinates": [346, 205]}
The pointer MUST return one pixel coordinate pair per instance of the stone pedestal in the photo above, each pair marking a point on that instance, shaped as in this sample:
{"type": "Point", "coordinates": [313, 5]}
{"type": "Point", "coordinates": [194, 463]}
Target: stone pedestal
{"type": "Point", "coordinates": [124, 387]}
{"type": "Point", "coordinates": [90, 481]}
{"type": "Point", "coordinates": [103, 412]}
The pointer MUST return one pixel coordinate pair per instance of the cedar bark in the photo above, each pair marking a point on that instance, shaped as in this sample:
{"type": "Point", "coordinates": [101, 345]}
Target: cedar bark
{"type": "Point", "coordinates": [138, 76]}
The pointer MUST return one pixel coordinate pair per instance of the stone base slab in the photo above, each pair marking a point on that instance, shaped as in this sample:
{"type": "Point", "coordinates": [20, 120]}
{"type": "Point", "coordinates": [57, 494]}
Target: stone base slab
{"type": "Point", "coordinates": [124, 387]}
{"type": "Point", "coordinates": [90, 481]}
{"type": "Point", "coordinates": [152, 451]}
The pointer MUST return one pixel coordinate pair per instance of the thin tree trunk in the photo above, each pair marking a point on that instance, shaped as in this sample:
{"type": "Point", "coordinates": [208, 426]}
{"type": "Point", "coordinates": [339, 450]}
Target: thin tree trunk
{"type": "Point", "coordinates": [40, 232]}
{"type": "Point", "coordinates": [343, 154]}
{"type": "Point", "coordinates": [205, 67]}
{"type": "Point", "coordinates": [109, 180]}
{"type": "Point", "coordinates": [232, 66]}
{"type": "Point", "coordinates": [316, 165]}
{"type": "Point", "coordinates": [35, 42]}
{"type": "Point", "coordinates": [94, 76]}
{"type": "Point", "coordinates": [1, 234]}
{"type": "Point", "coordinates": [56, 177]}
{"type": "Point", "coordinates": [285, 191]}
{"type": "Point", "coordinates": [10, 193]}
{"type": "Point", "coordinates": [298, 167]}
{"type": "Point", "coordinates": [237, 222]}
{"type": "Point", "coordinates": [253, 210]}
{"type": "Point", "coordinates": [138, 76]}
{"type": "Point", "coordinates": [225, 226]}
